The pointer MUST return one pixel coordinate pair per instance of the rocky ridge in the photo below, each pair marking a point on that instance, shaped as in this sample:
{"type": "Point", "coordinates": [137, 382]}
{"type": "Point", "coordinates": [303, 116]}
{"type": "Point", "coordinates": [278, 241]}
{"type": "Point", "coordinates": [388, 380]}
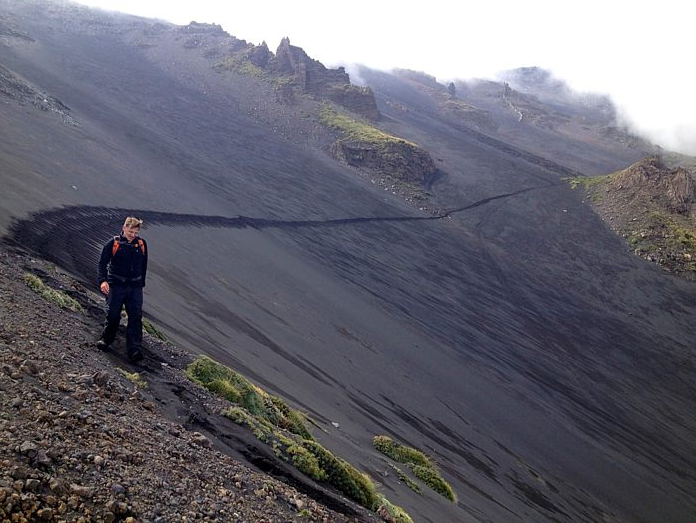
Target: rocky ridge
{"type": "Point", "coordinates": [292, 70]}
{"type": "Point", "coordinates": [651, 206]}
{"type": "Point", "coordinates": [85, 436]}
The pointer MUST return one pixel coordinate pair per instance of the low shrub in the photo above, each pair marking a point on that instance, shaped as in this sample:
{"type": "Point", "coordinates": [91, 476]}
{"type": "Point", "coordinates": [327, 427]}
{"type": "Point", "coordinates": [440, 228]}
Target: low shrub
{"type": "Point", "coordinates": [400, 453]}
{"type": "Point", "coordinates": [343, 476]}
{"type": "Point", "coordinates": [306, 462]}
{"type": "Point", "coordinates": [430, 477]}
{"type": "Point", "coordinates": [276, 424]}
{"type": "Point", "coordinates": [394, 512]}
{"type": "Point", "coordinates": [418, 462]}
{"type": "Point", "coordinates": [235, 388]}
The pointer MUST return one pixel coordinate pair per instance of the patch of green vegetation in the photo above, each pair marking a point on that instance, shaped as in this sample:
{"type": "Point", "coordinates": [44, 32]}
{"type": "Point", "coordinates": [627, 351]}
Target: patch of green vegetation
{"type": "Point", "coordinates": [309, 457]}
{"type": "Point", "coordinates": [261, 428]}
{"type": "Point", "coordinates": [658, 218]}
{"type": "Point", "coordinates": [676, 236]}
{"type": "Point", "coordinates": [152, 330]}
{"type": "Point", "coordinates": [403, 477]}
{"type": "Point", "coordinates": [395, 512]}
{"type": "Point", "coordinates": [59, 298]}
{"type": "Point", "coordinates": [133, 377]}
{"type": "Point", "coordinates": [684, 236]}
{"type": "Point", "coordinates": [240, 64]}
{"type": "Point", "coordinates": [343, 476]}
{"type": "Point", "coordinates": [274, 423]}
{"type": "Point", "coordinates": [400, 453]}
{"type": "Point", "coordinates": [430, 477]}
{"type": "Point", "coordinates": [356, 130]}
{"type": "Point", "coordinates": [306, 462]}
{"type": "Point", "coordinates": [237, 389]}
{"type": "Point", "coordinates": [304, 513]}
{"type": "Point", "coordinates": [418, 462]}
{"type": "Point", "coordinates": [587, 182]}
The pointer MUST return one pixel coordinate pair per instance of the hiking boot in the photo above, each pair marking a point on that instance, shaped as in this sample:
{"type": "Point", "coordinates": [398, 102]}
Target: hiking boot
{"type": "Point", "coordinates": [102, 345]}
{"type": "Point", "coordinates": [135, 356]}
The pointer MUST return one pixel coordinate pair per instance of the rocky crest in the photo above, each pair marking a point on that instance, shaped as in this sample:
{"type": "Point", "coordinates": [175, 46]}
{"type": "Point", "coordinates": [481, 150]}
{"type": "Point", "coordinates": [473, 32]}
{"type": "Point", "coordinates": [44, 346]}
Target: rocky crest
{"type": "Point", "coordinates": [202, 28]}
{"type": "Point", "coordinates": [651, 206]}
{"type": "Point", "coordinates": [293, 70]}
{"type": "Point", "coordinates": [651, 181]}
{"type": "Point", "coordinates": [401, 159]}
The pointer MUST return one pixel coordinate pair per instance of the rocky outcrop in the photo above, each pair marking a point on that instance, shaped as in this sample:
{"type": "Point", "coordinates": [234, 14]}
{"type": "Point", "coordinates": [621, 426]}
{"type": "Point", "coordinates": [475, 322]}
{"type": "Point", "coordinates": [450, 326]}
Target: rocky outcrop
{"type": "Point", "coordinates": [293, 71]}
{"type": "Point", "coordinates": [651, 181]}
{"type": "Point", "coordinates": [403, 160]}
{"type": "Point", "coordinates": [312, 77]}
{"type": "Point", "coordinates": [202, 28]}
{"type": "Point", "coordinates": [310, 74]}
{"type": "Point", "coordinates": [259, 55]}
{"type": "Point", "coordinates": [359, 100]}
{"type": "Point", "coordinates": [651, 206]}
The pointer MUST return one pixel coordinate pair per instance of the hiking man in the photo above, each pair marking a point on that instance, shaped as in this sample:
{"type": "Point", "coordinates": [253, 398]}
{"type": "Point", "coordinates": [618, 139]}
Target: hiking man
{"type": "Point", "coordinates": [122, 270]}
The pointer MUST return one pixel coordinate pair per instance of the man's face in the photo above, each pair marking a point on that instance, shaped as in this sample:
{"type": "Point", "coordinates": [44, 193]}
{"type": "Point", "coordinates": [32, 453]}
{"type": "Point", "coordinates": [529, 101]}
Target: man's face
{"type": "Point", "coordinates": [130, 232]}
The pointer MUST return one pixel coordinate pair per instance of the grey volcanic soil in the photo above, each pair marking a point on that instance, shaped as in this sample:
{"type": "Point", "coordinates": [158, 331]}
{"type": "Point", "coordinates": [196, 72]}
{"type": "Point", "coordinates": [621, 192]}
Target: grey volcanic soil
{"type": "Point", "coordinates": [548, 373]}
{"type": "Point", "coordinates": [80, 442]}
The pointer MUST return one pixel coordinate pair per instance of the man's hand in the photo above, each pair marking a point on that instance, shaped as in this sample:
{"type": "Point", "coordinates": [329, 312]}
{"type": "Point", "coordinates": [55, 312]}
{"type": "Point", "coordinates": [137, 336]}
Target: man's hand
{"type": "Point", "coordinates": [104, 287]}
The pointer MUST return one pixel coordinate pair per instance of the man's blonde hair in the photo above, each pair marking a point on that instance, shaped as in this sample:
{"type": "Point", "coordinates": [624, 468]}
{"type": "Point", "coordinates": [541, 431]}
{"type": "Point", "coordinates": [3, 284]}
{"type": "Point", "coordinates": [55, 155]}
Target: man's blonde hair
{"type": "Point", "coordinates": [132, 221]}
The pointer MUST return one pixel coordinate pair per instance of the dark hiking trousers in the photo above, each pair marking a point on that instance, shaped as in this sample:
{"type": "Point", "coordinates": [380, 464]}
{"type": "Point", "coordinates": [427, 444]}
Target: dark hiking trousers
{"type": "Point", "coordinates": [132, 297]}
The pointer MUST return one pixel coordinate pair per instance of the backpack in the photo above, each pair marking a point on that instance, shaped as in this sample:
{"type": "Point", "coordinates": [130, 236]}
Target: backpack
{"type": "Point", "coordinates": [117, 244]}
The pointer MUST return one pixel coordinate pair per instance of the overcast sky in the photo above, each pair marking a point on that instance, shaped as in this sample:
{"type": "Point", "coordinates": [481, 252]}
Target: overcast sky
{"type": "Point", "coordinates": [640, 54]}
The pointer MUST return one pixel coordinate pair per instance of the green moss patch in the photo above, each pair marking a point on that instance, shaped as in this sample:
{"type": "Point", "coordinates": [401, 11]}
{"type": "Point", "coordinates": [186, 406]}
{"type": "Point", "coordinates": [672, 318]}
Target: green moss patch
{"type": "Point", "coordinates": [587, 182]}
{"type": "Point", "coordinates": [133, 377]}
{"type": "Point", "coordinates": [391, 512]}
{"type": "Point", "coordinates": [358, 131]}
{"type": "Point", "coordinates": [274, 423]}
{"type": "Point", "coordinates": [400, 453]}
{"type": "Point", "coordinates": [242, 65]}
{"type": "Point", "coordinates": [152, 330]}
{"type": "Point", "coordinates": [59, 298]}
{"type": "Point", "coordinates": [432, 478]}
{"type": "Point", "coordinates": [418, 462]}
{"type": "Point", "coordinates": [309, 457]}
{"type": "Point", "coordinates": [404, 478]}
{"type": "Point", "coordinates": [235, 388]}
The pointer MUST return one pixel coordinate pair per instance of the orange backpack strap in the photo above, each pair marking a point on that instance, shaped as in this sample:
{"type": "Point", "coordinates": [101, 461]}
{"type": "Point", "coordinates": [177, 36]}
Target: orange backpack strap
{"type": "Point", "coordinates": [115, 247]}
{"type": "Point", "coordinates": [142, 245]}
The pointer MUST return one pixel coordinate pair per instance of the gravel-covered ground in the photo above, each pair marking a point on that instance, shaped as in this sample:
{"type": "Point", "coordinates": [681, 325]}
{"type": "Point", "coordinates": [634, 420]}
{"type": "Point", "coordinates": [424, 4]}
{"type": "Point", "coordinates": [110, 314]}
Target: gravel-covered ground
{"type": "Point", "coordinates": [80, 441]}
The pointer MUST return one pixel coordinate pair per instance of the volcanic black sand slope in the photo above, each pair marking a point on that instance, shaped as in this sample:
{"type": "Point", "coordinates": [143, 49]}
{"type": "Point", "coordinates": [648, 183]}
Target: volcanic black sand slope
{"type": "Point", "coordinates": [476, 308]}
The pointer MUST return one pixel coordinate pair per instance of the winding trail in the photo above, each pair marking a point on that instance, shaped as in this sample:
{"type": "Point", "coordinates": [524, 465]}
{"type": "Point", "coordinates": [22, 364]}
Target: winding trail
{"type": "Point", "coordinates": [52, 233]}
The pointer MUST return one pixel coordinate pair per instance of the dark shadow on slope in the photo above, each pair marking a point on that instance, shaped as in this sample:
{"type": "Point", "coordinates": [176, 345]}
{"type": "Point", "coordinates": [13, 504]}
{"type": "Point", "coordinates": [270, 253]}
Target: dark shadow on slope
{"type": "Point", "coordinates": [72, 237]}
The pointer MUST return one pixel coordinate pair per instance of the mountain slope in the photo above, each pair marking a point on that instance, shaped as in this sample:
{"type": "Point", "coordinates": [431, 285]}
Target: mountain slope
{"type": "Point", "coordinates": [98, 439]}
{"type": "Point", "coordinates": [508, 333]}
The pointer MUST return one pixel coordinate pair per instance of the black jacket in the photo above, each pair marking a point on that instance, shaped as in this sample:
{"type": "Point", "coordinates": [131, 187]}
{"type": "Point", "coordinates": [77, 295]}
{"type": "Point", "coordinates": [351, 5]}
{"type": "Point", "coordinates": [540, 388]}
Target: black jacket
{"type": "Point", "coordinates": [128, 266]}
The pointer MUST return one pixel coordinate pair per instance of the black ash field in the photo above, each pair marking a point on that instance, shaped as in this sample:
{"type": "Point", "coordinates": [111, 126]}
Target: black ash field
{"type": "Point", "coordinates": [505, 330]}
